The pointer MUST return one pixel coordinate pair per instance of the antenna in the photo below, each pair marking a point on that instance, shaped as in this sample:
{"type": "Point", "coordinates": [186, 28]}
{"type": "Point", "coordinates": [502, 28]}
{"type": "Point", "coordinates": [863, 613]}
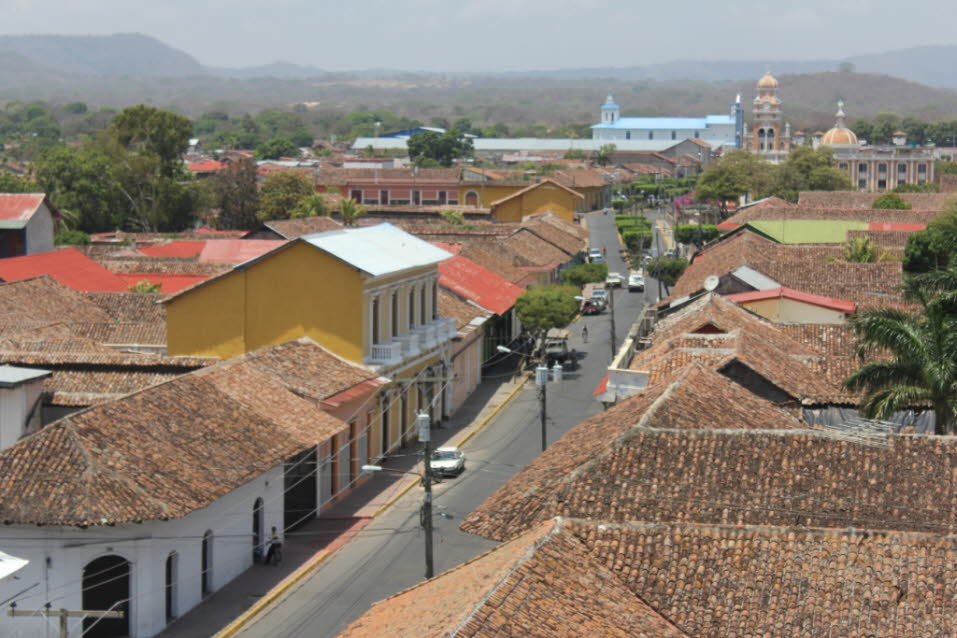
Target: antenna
{"type": "Point", "coordinates": [710, 283]}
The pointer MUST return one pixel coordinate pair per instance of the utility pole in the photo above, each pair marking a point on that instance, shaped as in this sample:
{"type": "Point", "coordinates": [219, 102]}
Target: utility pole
{"type": "Point", "coordinates": [425, 435]}
{"type": "Point", "coordinates": [63, 615]}
{"type": "Point", "coordinates": [611, 317]}
{"type": "Point", "coordinates": [657, 231]}
{"type": "Point", "coordinates": [541, 379]}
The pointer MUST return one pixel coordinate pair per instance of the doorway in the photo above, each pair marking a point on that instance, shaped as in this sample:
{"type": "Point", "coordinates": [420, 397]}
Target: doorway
{"type": "Point", "coordinates": [106, 587]}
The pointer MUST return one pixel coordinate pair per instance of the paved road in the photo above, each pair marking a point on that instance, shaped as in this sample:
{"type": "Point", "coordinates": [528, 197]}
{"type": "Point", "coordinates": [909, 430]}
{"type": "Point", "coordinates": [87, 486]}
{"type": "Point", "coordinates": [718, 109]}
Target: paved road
{"type": "Point", "coordinates": [387, 556]}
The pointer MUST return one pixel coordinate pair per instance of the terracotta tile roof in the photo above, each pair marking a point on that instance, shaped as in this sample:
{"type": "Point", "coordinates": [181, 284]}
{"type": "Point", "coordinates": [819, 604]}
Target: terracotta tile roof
{"type": "Point", "coordinates": [533, 186]}
{"type": "Point", "coordinates": [579, 178]}
{"type": "Point", "coordinates": [359, 176]}
{"type": "Point", "coordinates": [479, 285]}
{"type": "Point", "coordinates": [42, 300]}
{"type": "Point", "coordinates": [543, 584]}
{"type": "Point", "coordinates": [496, 257]}
{"type": "Point", "coordinates": [169, 284]}
{"type": "Point", "coordinates": [890, 240]}
{"type": "Point", "coordinates": [161, 265]}
{"type": "Point", "coordinates": [803, 478]}
{"type": "Point", "coordinates": [557, 236]}
{"type": "Point", "coordinates": [854, 199]}
{"type": "Point", "coordinates": [67, 265]}
{"type": "Point", "coordinates": [450, 305]}
{"type": "Point", "coordinates": [536, 250]}
{"type": "Point", "coordinates": [579, 472]}
{"type": "Point", "coordinates": [948, 183]}
{"type": "Point", "coordinates": [807, 268]}
{"type": "Point", "coordinates": [292, 228]}
{"type": "Point", "coordinates": [123, 333]}
{"type": "Point", "coordinates": [832, 339]}
{"type": "Point", "coordinates": [763, 212]}
{"type": "Point", "coordinates": [720, 581]}
{"type": "Point", "coordinates": [159, 453]}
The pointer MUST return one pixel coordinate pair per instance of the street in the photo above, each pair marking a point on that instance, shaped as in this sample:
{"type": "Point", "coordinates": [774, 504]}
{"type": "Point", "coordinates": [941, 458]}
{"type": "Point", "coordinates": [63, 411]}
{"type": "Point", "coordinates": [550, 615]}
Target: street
{"type": "Point", "coordinates": [387, 556]}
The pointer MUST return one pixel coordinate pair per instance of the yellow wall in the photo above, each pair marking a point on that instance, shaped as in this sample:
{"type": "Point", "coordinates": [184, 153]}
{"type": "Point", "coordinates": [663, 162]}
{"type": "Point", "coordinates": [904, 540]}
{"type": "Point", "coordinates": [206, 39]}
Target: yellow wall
{"type": "Point", "coordinates": [488, 193]}
{"type": "Point", "coordinates": [299, 291]}
{"type": "Point", "coordinates": [545, 197]}
{"type": "Point", "coordinates": [791, 311]}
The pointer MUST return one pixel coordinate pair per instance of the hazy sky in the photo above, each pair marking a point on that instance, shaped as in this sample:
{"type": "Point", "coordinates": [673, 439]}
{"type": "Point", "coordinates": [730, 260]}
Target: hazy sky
{"type": "Point", "coordinates": [497, 34]}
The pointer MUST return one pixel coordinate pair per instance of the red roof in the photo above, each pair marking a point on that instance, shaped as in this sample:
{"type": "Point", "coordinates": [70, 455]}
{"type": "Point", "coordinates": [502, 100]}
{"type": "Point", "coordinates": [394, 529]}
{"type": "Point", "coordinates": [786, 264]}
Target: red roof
{"type": "Point", "coordinates": [726, 225]}
{"type": "Point", "coordinates": [236, 251]}
{"type": "Point", "coordinates": [479, 285]}
{"type": "Point", "coordinates": [207, 166]}
{"type": "Point", "coordinates": [177, 248]}
{"type": "Point", "coordinates": [19, 207]}
{"type": "Point", "coordinates": [602, 387]}
{"type": "Point", "coordinates": [68, 266]}
{"type": "Point", "coordinates": [169, 283]}
{"type": "Point", "coordinates": [454, 249]}
{"type": "Point", "coordinates": [847, 307]}
{"type": "Point", "coordinates": [896, 226]}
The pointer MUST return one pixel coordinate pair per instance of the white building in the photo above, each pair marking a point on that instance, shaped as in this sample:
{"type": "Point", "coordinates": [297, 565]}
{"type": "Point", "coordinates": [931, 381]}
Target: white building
{"type": "Point", "coordinates": [149, 503]}
{"type": "Point", "coordinates": [716, 130]}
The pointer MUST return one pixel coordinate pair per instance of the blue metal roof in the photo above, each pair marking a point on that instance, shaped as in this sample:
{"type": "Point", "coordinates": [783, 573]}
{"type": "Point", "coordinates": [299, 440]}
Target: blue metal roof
{"type": "Point", "coordinates": [609, 106]}
{"type": "Point", "coordinates": [669, 123]}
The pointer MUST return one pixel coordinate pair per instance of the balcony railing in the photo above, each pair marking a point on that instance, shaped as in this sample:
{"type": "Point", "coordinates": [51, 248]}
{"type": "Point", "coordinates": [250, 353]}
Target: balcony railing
{"type": "Point", "coordinates": [447, 328]}
{"type": "Point", "coordinates": [427, 335]}
{"type": "Point", "coordinates": [410, 343]}
{"type": "Point", "coordinates": [386, 353]}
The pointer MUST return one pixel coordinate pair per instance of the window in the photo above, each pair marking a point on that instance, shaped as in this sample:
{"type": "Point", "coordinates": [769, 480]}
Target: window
{"type": "Point", "coordinates": [862, 183]}
{"type": "Point", "coordinates": [411, 308]}
{"type": "Point", "coordinates": [375, 320]}
{"type": "Point", "coordinates": [862, 168]}
{"type": "Point", "coordinates": [882, 168]}
{"type": "Point", "coordinates": [172, 566]}
{"type": "Point", "coordinates": [356, 195]}
{"type": "Point", "coordinates": [922, 168]}
{"type": "Point", "coordinates": [651, 135]}
{"type": "Point", "coordinates": [416, 198]}
{"type": "Point", "coordinates": [842, 166]}
{"type": "Point", "coordinates": [353, 450]}
{"type": "Point", "coordinates": [395, 314]}
{"type": "Point", "coordinates": [697, 135]}
{"type": "Point", "coordinates": [422, 312]}
{"type": "Point", "coordinates": [674, 135]}
{"type": "Point", "coordinates": [435, 300]}
{"type": "Point", "coordinates": [881, 184]}
{"type": "Point", "coordinates": [383, 197]}
{"type": "Point", "coordinates": [902, 168]}
{"type": "Point", "coordinates": [627, 135]}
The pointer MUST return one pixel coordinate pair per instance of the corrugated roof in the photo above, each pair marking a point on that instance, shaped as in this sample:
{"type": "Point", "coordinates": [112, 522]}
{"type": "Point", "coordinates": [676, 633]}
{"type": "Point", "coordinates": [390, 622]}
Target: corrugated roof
{"type": "Point", "coordinates": [670, 123]}
{"type": "Point", "coordinates": [479, 285]}
{"type": "Point", "coordinates": [169, 283]}
{"type": "Point", "coordinates": [16, 209]}
{"type": "Point", "coordinates": [68, 266]}
{"type": "Point", "coordinates": [806, 231]}
{"type": "Point", "coordinates": [377, 250]}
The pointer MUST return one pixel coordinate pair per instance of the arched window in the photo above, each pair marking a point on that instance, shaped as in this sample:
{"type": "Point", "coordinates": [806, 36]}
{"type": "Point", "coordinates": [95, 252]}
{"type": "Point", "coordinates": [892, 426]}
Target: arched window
{"type": "Point", "coordinates": [471, 199]}
{"type": "Point", "coordinates": [106, 587]}
{"type": "Point", "coordinates": [172, 569]}
{"type": "Point", "coordinates": [206, 563]}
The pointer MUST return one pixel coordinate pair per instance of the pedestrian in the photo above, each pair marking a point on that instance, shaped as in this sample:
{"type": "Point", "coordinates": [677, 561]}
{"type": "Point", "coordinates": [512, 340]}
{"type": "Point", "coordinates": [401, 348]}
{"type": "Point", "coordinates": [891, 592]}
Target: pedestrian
{"type": "Point", "coordinates": [604, 251]}
{"type": "Point", "coordinates": [585, 334]}
{"type": "Point", "coordinates": [274, 552]}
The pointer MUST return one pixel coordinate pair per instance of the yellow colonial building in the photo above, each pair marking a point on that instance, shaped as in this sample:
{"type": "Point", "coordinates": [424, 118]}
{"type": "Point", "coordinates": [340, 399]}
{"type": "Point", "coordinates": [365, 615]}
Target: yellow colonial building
{"type": "Point", "coordinates": [540, 197]}
{"type": "Point", "coordinates": [367, 294]}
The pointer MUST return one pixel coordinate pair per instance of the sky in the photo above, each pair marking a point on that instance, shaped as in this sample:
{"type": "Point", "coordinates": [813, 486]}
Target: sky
{"type": "Point", "coordinates": [497, 35]}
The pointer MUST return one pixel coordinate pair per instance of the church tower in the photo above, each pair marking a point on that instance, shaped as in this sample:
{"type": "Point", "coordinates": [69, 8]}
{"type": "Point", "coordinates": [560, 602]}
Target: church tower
{"type": "Point", "coordinates": [766, 132]}
{"type": "Point", "coordinates": [610, 112]}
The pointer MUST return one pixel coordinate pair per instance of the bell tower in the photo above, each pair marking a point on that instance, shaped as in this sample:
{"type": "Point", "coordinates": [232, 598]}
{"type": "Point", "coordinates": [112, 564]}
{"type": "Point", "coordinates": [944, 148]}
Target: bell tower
{"type": "Point", "coordinates": [610, 112]}
{"type": "Point", "coordinates": [766, 133]}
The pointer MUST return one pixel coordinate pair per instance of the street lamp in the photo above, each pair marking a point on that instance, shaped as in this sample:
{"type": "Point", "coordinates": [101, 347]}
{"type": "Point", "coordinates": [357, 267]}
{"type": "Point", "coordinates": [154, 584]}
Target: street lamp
{"type": "Point", "coordinates": [541, 380]}
{"type": "Point", "coordinates": [423, 425]}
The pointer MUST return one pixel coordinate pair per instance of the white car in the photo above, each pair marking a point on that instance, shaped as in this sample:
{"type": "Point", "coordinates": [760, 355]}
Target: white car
{"type": "Point", "coordinates": [636, 282]}
{"type": "Point", "coordinates": [594, 256]}
{"type": "Point", "coordinates": [614, 279]}
{"type": "Point", "coordinates": [447, 461]}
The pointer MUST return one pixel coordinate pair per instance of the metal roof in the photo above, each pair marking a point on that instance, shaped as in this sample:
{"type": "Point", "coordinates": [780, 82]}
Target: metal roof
{"type": "Point", "coordinates": [377, 250]}
{"type": "Point", "coordinates": [755, 279]}
{"type": "Point", "coordinates": [16, 209]}
{"type": "Point", "coordinates": [12, 376]}
{"type": "Point", "coordinates": [668, 123]}
{"type": "Point", "coordinates": [507, 144]}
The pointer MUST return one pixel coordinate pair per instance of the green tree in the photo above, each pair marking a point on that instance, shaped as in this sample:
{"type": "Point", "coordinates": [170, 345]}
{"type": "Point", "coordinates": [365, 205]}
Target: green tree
{"type": "Point", "coordinates": [861, 250]}
{"type": "Point", "coordinates": [932, 248]}
{"type": "Point", "coordinates": [585, 274]}
{"type": "Point", "coordinates": [807, 169]}
{"type": "Point", "coordinates": [146, 130]}
{"type": "Point", "coordinates": [603, 154]}
{"type": "Point", "coordinates": [890, 201]}
{"type": "Point", "coordinates": [277, 147]}
{"type": "Point", "coordinates": [921, 369]}
{"type": "Point", "coordinates": [667, 269]}
{"type": "Point", "coordinates": [10, 183]}
{"type": "Point", "coordinates": [145, 287]}
{"type": "Point", "coordinates": [575, 154]}
{"type": "Point", "coordinates": [545, 307]}
{"type": "Point", "coordinates": [350, 210]}
{"type": "Point", "coordinates": [312, 206]}
{"type": "Point", "coordinates": [282, 193]}
{"type": "Point", "coordinates": [697, 234]}
{"type": "Point", "coordinates": [443, 149]}
{"type": "Point", "coordinates": [736, 173]}
{"type": "Point", "coordinates": [235, 194]}
{"type": "Point", "coordinates": [80, 183]}
{"type": "Point", "coordinates": [454, 217]}
{"type": "Point", "coordinates": [71, 237]}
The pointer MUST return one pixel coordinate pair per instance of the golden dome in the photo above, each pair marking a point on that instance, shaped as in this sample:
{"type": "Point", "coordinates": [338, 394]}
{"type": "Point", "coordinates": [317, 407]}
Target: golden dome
{"type": "Point", "coordinates": [768, 81]}
{"type": "Point", "coordinates": [839, 137]}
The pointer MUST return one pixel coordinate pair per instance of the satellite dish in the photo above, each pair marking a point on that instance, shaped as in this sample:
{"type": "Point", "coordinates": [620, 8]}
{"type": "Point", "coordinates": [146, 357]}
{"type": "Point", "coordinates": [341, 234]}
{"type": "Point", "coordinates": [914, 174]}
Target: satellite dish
{"type": "Point", "coordinates": [711, 283]}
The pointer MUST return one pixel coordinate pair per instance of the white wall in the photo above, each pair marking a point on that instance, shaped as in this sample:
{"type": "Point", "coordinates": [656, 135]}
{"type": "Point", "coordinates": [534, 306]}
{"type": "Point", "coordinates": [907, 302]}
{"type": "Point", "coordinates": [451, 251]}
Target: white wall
{"type": "Point", "coordinates": [146, 546]}
{"type": "Point", "coordinates": [40, 231]}
{"type": "Point", "coordinates": [15, 405]}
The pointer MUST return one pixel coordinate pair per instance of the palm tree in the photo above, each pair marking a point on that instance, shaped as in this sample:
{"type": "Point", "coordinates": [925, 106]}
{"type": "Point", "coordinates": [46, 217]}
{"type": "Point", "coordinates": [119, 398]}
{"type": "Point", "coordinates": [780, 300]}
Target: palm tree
{"type": "Point", "coordinates": [862, 250]}
{"type": "Point", "coordinates": [350, 210]}
{"type": "Point", "coordinates": [921, 369]}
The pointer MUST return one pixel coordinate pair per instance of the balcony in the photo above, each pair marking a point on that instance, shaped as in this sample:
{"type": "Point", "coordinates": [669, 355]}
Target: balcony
{"type": "Point", "coordinates": [447, 328]}
{"type": "Point", "coordinates": [386, 353]}
{"type": "Point", "coordinates": [410, 344]}
{"type": "Point", "coordinates": [428, 335]}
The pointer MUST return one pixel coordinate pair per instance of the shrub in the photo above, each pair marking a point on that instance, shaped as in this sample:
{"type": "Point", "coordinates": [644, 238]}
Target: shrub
{"type": "Point", "coordinates": [667, 269]}
{"type": "Point", "coordinates": [71, 237]}
{"type": "Point", "coordinates": [585, 274]}
{"type": "Point", "coordinates": [695, 234]}
{"type": "Point", "coordinates": [637, 239]}
{"type": "Point", "coordinates": [890, 201]}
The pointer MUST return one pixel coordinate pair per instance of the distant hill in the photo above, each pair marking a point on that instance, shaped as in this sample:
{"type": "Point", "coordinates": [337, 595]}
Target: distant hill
{"type": "Point", "coordinates": [118, 54]}
{"type": "Point", "coordinates": [931, 65]}
{"type": "Point", "coordinates": [19, 71]}
{"type": "Point", "coordinates": [274, 70]}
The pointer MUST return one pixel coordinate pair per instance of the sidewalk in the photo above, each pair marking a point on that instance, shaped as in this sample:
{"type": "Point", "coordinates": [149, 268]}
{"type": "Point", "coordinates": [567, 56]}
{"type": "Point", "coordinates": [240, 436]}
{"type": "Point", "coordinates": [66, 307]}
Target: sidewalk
{"type": "Point", "coordinates": [308, 546]}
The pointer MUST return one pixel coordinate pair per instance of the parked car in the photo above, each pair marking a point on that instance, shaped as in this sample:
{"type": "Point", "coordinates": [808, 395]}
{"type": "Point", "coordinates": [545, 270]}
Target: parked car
{"type": "Point", "coordinates": [636, 281]}
{"type": "Point", "coordinates": [600, 295]}
{"type": "Point", "coordinates": [591, 307]}
{"type": "Point", "coordinates": [594, 253]}
{"type": "Point", "coordinates": [614, 279]}
{"type": "Point", "coordinates": [447, 461]}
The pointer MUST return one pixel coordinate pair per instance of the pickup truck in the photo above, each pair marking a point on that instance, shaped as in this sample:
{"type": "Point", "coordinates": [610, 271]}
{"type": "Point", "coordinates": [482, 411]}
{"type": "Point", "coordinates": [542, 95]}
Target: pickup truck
{"type": "Point", "coordinates": [636, 281]}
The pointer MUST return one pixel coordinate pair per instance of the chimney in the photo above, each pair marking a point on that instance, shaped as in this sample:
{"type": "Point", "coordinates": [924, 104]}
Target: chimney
{"type": "Point", "coordinates": [21, 394]}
